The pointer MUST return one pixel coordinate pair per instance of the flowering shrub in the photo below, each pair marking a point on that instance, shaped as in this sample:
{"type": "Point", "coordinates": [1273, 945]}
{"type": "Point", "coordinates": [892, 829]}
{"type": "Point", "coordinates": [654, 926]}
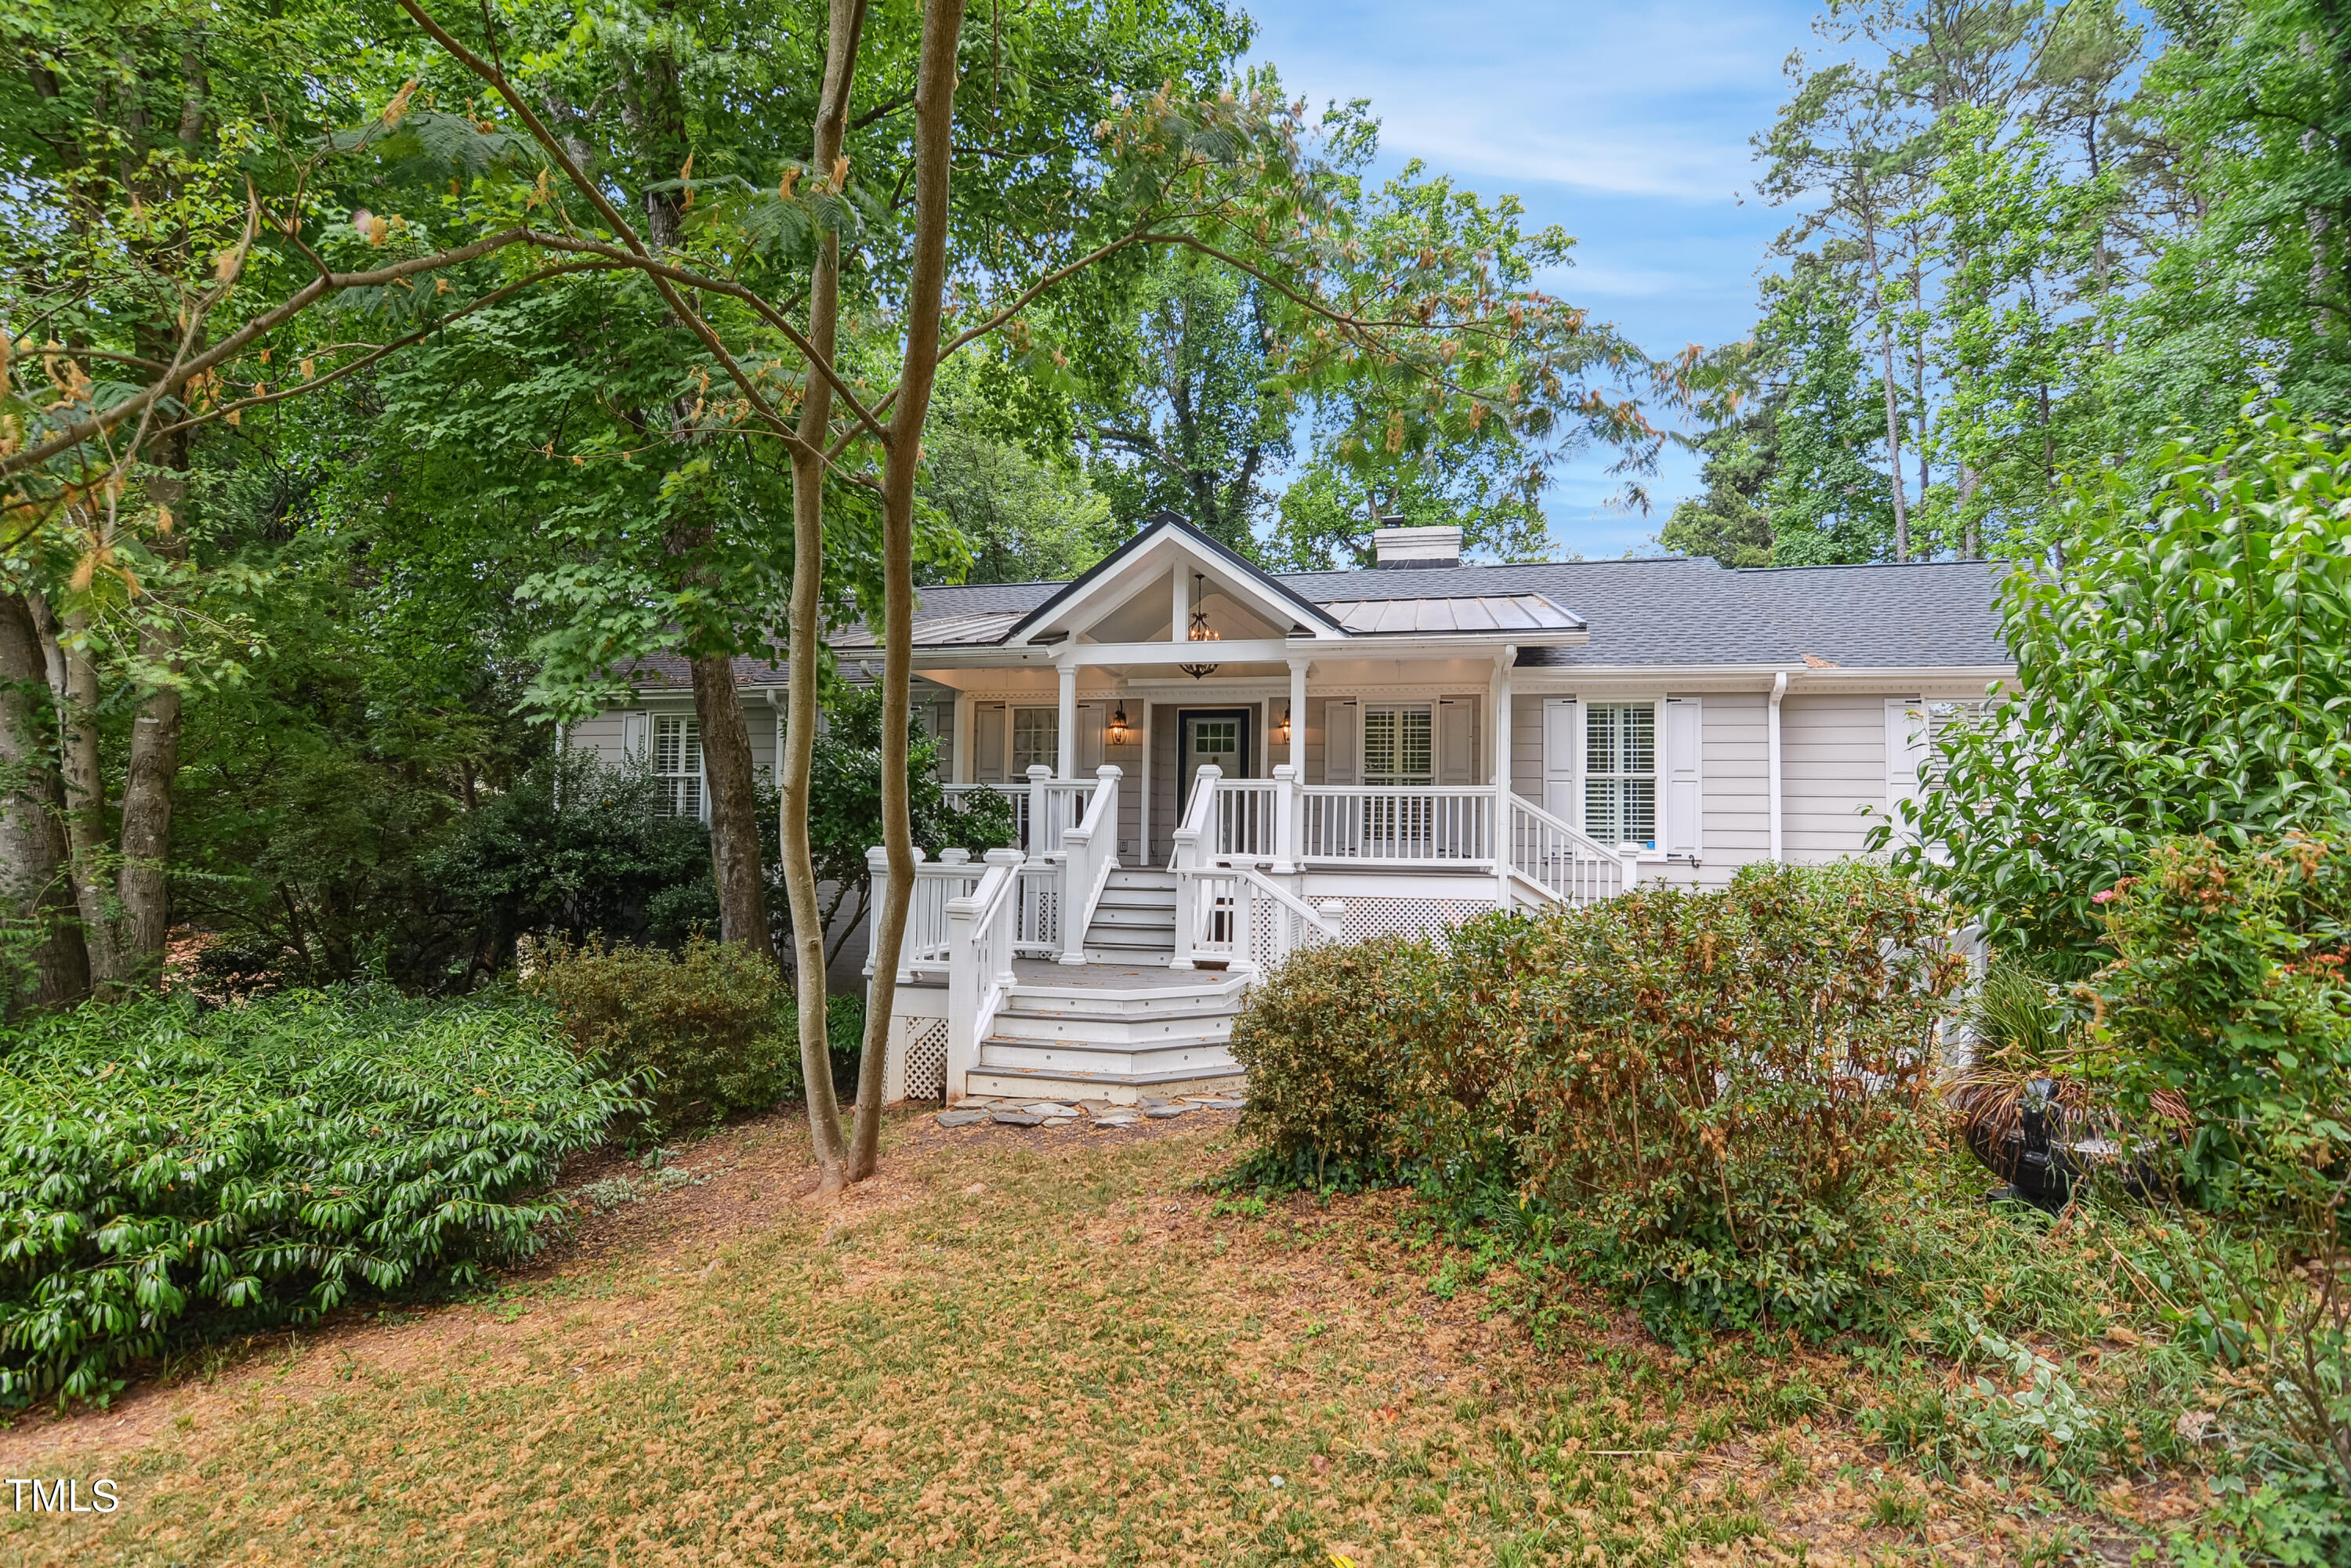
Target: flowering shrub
{"type": "Point", "coordinates": [166, 1170]}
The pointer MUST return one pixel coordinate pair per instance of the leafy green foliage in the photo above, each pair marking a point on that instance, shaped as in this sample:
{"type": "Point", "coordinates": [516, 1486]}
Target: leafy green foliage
{"type": "Point", "coordinates": [2228, 990]}
{"type": "Point", "coordinates": [167, 1171]}
{"type": "Point", "coordinates": [1732, 521]}
{"type": "Point", "coordinates": [2186, 671]}
{"type": "Point", "coordinates": [1324, 1073]}
{"type": "Point", "coordinates": [704, 1028]}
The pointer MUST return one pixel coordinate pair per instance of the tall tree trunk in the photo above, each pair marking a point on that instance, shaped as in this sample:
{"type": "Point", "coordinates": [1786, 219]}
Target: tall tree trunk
{"type": "Point", "coordinates": [934, 87]}
{"type": "Point", "coordinates": [89, 847]}
{"type": "Point", "coordinates": [734, 807]}
{"type": "Point", "coordinates": [1885, 348]}
{"type": "Point", "coordinates": [847, 26]}
{"type": "Point", "coordinates": [32, 830]}
{"type": "Point", "coordinates": [143, 884]}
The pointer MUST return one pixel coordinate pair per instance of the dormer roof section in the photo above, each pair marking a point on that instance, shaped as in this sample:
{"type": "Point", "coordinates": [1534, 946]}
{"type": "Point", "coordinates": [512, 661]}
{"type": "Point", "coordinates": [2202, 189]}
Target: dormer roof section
{"type": "Point", "coordinates": [1141, 567]}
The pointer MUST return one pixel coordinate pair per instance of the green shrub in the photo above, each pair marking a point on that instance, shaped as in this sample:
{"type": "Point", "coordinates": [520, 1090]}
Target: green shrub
{"type": "Point", "coordinates": [1707, 1087]}
{"type": "Point", "coordinates": [1699, 1092]}
{"type": "Point", "coordinates": [705, 1026]}
{"type": "Point", "coordinates": [166, 1172]}
{"type": "Point", "coordinates": [1319, 1045]}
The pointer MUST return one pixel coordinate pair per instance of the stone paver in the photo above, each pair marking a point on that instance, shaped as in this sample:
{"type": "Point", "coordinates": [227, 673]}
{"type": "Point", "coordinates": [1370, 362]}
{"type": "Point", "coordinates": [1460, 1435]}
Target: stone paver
{"type": "Point", "coordinates": [961, 1118]}
{"type": "Point", "coordinates": [1014, 1119]}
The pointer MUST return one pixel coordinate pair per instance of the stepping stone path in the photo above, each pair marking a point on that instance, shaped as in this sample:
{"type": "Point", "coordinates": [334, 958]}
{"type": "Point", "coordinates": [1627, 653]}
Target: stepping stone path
{"type": "Point", "coordinates": [1105, 1115]}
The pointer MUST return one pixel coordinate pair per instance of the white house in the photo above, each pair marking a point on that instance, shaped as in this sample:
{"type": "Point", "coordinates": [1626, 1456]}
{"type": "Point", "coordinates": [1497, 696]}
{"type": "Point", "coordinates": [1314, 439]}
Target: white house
{"type": "Point", "coordinates": [1213, 765]}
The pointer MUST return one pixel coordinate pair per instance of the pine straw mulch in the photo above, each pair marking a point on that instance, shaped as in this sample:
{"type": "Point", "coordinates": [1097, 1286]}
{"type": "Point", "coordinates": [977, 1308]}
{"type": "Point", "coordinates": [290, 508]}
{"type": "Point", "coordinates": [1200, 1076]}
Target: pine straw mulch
{"type": "Point", "coordinates": [1013, 1345]}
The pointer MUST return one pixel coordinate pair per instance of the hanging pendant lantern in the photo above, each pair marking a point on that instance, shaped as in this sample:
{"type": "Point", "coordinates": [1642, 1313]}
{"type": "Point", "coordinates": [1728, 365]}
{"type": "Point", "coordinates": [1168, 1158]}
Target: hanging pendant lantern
{"type": "Point", "coordinates": [1199, 631]}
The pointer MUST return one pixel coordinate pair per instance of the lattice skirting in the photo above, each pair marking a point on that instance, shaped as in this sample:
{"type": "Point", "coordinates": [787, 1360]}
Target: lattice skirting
{"type": "Point", "coordinates": [926, 1061]}
{"type": "Point", "coordinates": [1367, 917]}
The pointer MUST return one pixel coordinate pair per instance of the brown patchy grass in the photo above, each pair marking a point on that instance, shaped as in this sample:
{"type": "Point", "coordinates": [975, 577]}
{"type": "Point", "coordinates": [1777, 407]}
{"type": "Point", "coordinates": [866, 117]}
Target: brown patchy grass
{"type": "Point", "coordinates": [1014, 1346]}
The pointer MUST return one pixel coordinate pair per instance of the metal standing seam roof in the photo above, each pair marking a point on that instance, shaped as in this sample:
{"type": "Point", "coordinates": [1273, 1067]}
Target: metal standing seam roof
{"type": "Point", "coordinates": [1479, 612]}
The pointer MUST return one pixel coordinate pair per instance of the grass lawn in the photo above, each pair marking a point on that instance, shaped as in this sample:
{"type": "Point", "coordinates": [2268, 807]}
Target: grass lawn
{"type": "Point", "coordinates": [1015, 1346]}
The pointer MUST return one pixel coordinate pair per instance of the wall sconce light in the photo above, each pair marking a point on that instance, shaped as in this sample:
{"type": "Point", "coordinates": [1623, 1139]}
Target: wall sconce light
{"type": "Point", "coordinates": [1281, 731]}
{"type": "Point", "coordinates": [1117, 733]}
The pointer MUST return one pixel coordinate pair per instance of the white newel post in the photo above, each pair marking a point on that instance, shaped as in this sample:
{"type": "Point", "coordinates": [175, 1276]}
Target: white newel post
{"type": "Point", "coordinates": [1285, 815]}
{"type": "Point", "coordinates": [1201, 807]}
{"type": "Point", "coordinates": [963, 993]}
{"type": "Point", "coordinates": [1632, 868]}
{"type": "Point", "coordinates": [1001, 930]}
{"type": "Point", "coordinates": [1040, 836]}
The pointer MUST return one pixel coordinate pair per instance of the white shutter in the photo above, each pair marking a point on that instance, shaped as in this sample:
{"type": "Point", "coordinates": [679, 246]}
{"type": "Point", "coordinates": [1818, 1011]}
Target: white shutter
{"type": "Point", "coordinates": [1456, 740]}
{"type": "Point", "coordinates": [1090, 738]}
{"type": "Point", "coordinates": [1559, 739]}
{"type": "Point", "coordinates": [636, 737]}
{"type": "Point", "coordinates": [1906, 756]}
{"type": "Point", "coordinates": [987, 743]}
{"type": "Point", "coordinates": [1682, 771]}
{"type": "Point", "coordinates": [1342, 727]}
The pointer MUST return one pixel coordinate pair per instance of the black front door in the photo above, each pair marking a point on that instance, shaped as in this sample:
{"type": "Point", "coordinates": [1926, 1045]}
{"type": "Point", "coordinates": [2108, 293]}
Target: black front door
{"type": "Point", "coordinates": [1219, 736]}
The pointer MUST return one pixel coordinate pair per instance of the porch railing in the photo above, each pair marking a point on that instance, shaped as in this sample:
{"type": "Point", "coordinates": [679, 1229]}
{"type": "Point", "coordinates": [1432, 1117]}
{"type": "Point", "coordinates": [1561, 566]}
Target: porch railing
{"type": "Point", "coordinates": [981, 933]}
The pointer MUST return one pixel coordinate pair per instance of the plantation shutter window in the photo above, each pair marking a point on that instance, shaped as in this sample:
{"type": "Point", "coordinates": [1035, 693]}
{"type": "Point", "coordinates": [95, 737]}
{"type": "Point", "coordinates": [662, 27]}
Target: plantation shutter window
{"type": "Point", "coordinates": [1400, 743]}
{"type": "Point", "coordinates": [1684, 778]}
{"type": "Point", "coordinates": [1342, 729]}
{"type": "Point", "coordinates": [1559, 792]}
{"type": "Point", "coordinates": [677, 763]}
{"type": "Point", "coordinates": [1620, 773]}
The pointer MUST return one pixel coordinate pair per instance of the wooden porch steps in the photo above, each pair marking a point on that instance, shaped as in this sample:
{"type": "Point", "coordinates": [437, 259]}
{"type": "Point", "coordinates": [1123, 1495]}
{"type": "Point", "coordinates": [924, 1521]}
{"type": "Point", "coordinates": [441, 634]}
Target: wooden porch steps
{"type": "Point", "coordinates": [1111, 1031]}
{"type": "Point", "coordinates": [1134, 922]}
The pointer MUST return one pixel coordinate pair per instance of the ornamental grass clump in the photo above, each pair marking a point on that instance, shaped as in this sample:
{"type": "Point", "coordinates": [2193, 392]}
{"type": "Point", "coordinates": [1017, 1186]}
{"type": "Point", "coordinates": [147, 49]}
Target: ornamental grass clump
{"type": "Point", "coordinates": [168, 1172]}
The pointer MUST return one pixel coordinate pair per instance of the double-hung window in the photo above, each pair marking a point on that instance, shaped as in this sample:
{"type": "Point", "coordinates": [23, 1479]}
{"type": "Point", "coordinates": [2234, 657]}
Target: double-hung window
{"type": "Point", "coordinates": [1036, 740]}
{"type": "Point", "coordinates": [1620, 773]}
{"type": "Point", "coordinates": [677, 763]}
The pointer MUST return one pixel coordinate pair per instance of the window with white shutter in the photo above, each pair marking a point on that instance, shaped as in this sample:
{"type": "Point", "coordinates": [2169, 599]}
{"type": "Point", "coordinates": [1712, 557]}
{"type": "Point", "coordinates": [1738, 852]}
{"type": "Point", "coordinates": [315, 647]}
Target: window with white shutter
{"type": "Point", "coordinates": [677, 763]}
{"type": "Point", "coordinates": [1558, 737]}
{"type": "Point", "coordinates": [1684, 768]}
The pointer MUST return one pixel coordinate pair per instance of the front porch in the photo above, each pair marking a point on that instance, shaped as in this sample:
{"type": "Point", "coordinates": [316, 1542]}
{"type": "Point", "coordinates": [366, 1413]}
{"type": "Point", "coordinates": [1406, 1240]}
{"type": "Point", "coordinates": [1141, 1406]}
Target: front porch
{"type": "Point", "coordinates": [1053, 969]}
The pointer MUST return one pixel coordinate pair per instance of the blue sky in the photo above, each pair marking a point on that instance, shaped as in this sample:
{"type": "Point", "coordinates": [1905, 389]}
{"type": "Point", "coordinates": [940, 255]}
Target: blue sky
{"type": "Point", "coordinates": [1626, 124]}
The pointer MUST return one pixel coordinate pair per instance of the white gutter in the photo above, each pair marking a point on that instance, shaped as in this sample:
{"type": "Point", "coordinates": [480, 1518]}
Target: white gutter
{"type": "Point", "coordinates": [1771, 752]}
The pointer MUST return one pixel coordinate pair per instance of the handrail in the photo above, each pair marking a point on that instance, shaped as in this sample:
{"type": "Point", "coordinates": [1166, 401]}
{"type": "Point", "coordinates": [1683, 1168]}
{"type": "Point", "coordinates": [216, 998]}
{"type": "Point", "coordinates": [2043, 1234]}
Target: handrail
{"type": "Point", "coordinates": [1412, 824]}
{"type": "Point", "coordinates": [1200, 813]}
{"type": "Point", "coordinates": [979, 967]}
{"type": "Point", "coordinates": [1221, 918]}
{"type": "Point", "coordinates": [1561, 862]}
{"type": "Point", "coordinates": [1091, 856]}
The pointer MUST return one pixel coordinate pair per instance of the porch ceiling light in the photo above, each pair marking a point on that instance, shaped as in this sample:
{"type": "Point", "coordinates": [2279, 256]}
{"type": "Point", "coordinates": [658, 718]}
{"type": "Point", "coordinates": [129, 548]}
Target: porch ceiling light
{"type": "Point", "coordinates": [1200, 631]}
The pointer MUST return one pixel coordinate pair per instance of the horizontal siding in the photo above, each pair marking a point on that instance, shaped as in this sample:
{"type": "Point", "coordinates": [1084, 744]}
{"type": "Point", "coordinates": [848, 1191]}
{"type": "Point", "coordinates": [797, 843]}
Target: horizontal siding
{"type": "Point", "coordinates": [1832, 766]}
{"type": "Point", "coordinates": [601, 735]}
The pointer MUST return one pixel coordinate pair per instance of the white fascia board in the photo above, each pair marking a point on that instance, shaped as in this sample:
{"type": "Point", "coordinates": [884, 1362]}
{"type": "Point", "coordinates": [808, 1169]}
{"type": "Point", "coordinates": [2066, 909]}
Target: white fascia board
{"type": "Point", "coordinates": [1166, 548]}
{"type": "Point", "coordinates": [1554, 679]}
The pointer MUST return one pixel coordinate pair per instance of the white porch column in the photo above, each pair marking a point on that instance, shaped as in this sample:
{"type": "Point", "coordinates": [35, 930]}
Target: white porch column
{"type": "Point", "coordinates": [965, 773]}
{"type": "Point", "coordinates": [1065, 734]}
{"type": "Point", "coordinates": [1501, 728]}
{"type": "Point", "coordinates": [1296, 757]}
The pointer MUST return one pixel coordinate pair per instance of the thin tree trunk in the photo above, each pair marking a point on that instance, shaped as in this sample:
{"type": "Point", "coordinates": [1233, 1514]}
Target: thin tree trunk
{"type": "Point", "coordinates": [935, 88]}
{"type": "Point", "coordinates": [143, 885]}
{"type": "Point", "coordinates": [734, 807]}
{"type": "Point", "coordinates": [32, 833]}
{"type": "Point", "coordinates": [1885, 348]}
{"type": "Point", "coordinates": [846, 27]}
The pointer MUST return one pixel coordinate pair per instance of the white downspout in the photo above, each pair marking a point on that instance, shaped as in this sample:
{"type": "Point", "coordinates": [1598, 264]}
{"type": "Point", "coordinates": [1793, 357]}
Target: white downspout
{"type": "Point", "coordinates": [1771, 751]}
